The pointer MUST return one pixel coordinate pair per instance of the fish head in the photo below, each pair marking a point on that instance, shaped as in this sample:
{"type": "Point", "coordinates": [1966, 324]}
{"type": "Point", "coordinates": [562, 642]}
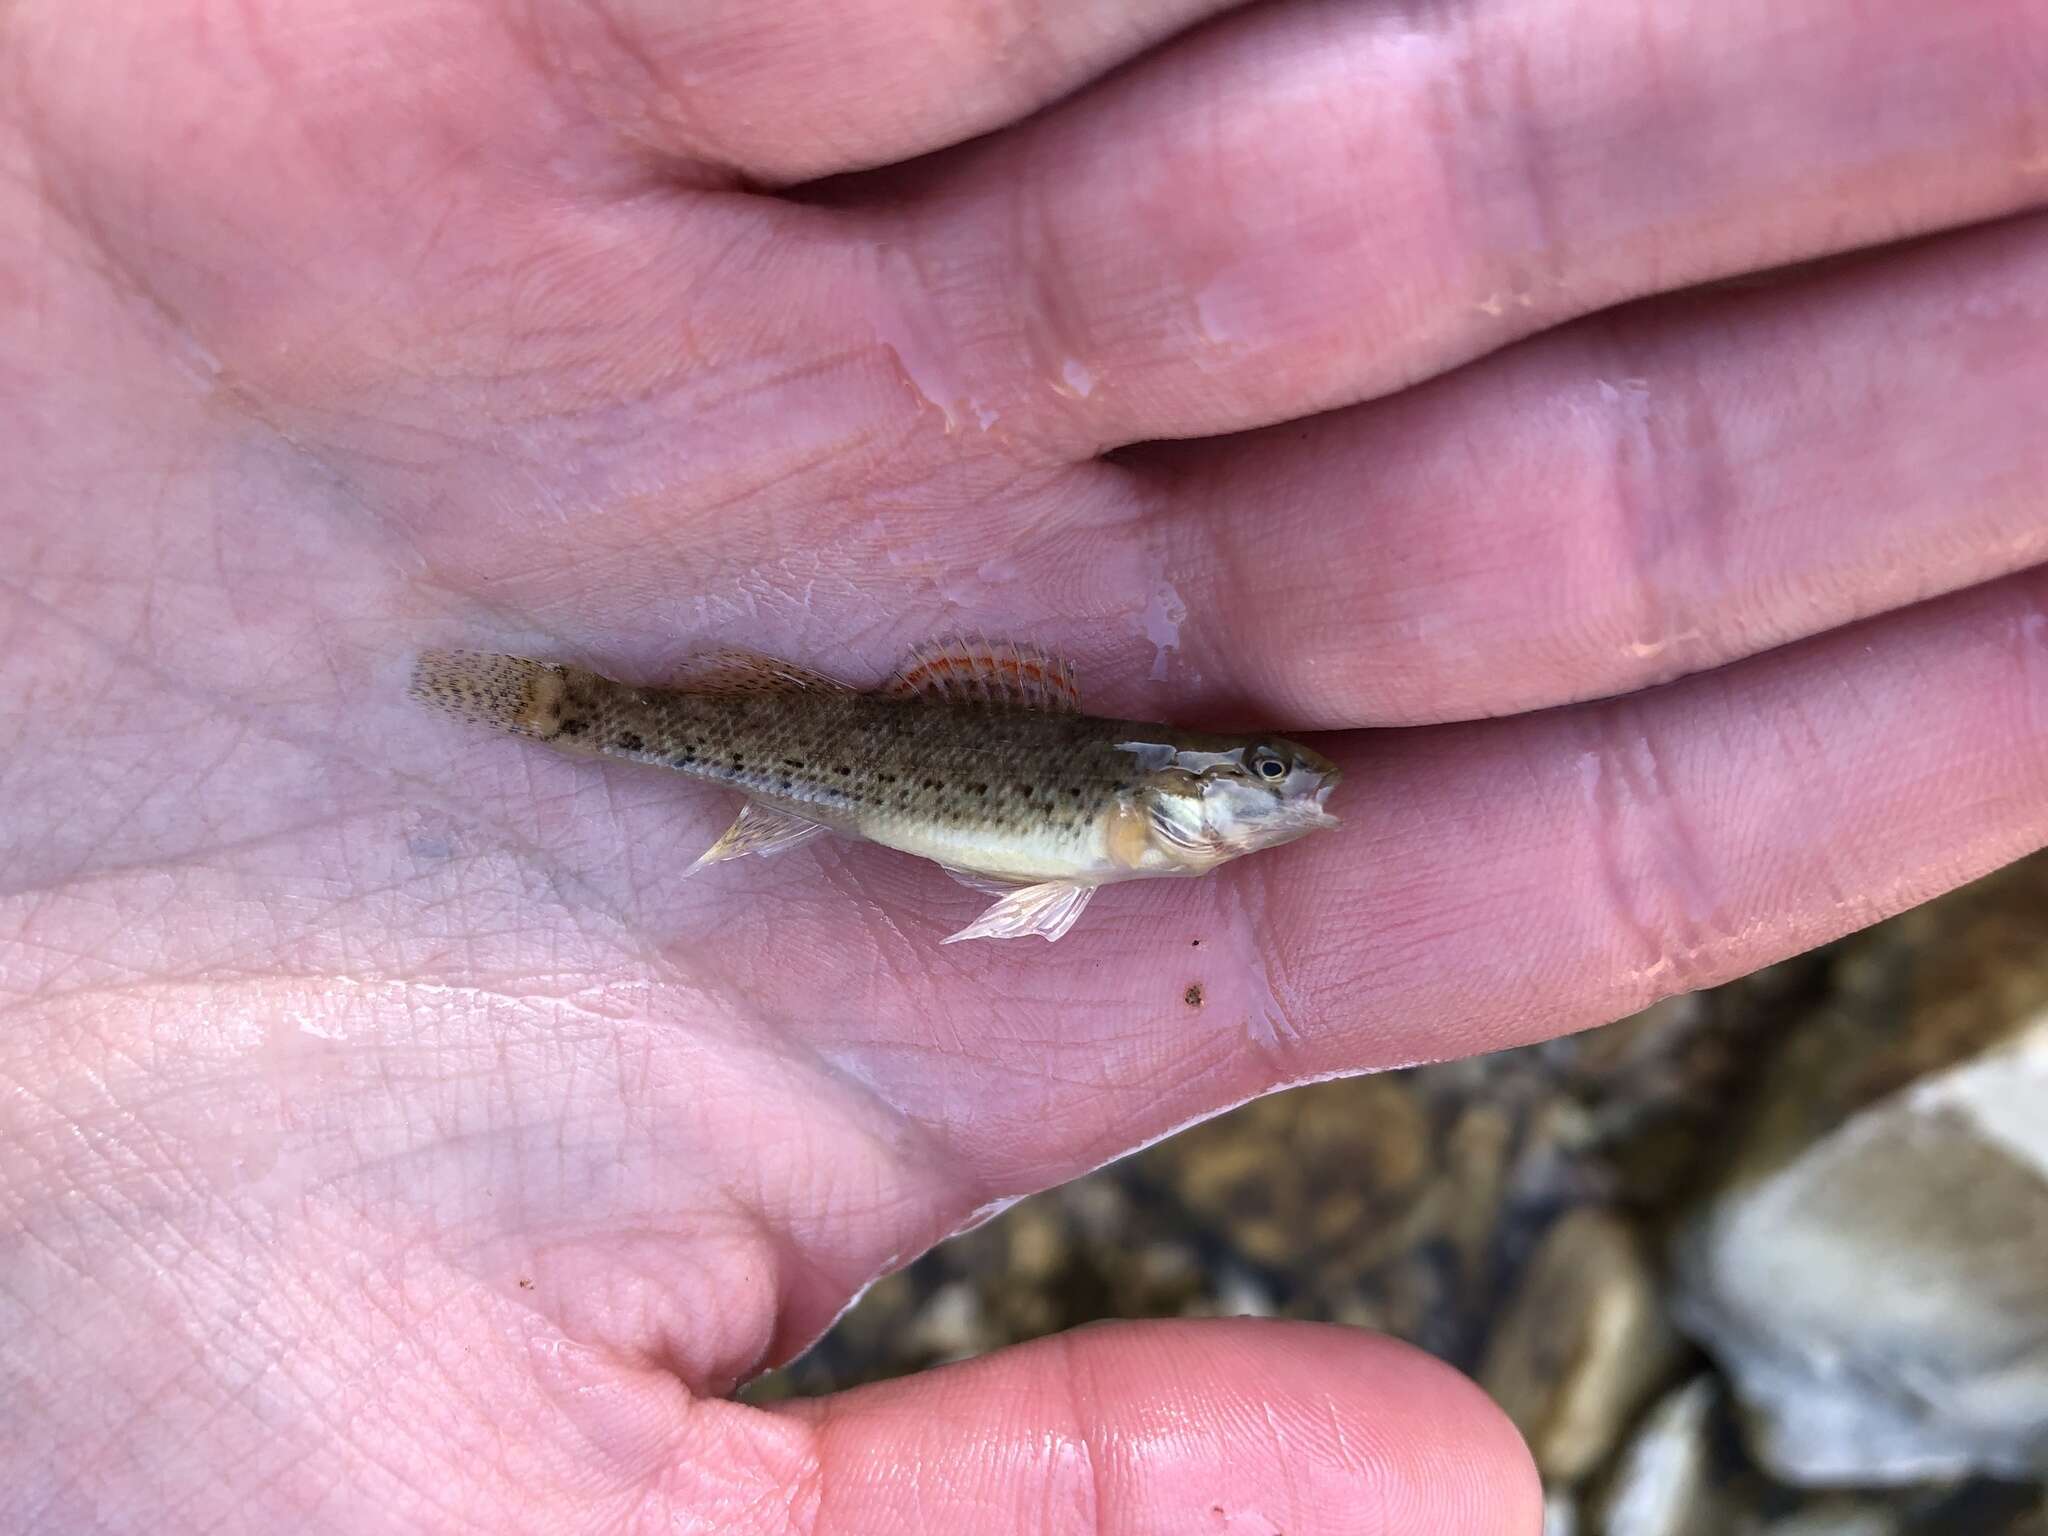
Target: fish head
{"type": "Point", "coordinates": [1208, 804]}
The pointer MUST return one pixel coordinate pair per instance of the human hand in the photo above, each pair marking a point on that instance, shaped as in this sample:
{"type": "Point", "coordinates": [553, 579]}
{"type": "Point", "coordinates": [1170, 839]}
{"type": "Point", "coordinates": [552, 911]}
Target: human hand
{"type": "Point", "coordinates": [395, 1141]}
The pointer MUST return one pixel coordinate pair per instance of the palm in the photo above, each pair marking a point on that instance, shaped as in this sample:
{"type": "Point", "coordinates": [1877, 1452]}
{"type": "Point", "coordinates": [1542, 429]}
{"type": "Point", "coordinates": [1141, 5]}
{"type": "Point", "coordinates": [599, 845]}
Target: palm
{"type": "Point", "coordinates": [517, 1139]}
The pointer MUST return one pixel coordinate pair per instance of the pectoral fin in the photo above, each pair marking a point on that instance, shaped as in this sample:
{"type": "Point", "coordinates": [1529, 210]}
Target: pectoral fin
{"type": "Point", "coordinates": [759, 829]}
{"type": "Point", "coordinates": [1047, 910]}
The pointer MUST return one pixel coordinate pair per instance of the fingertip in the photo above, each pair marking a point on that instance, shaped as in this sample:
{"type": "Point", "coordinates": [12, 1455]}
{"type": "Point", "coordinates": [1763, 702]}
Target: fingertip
{"type": "Point", "coordinates": [1376, 1434]}
{"type": "Point", "coordinates": [1228, 1426]}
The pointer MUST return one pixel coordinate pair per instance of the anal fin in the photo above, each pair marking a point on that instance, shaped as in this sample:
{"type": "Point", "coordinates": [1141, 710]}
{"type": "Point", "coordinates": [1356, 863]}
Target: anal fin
{"type": "Point", "coordinates": [758, 829]}
{"type": "Point", "coordinates": [1047, 910]}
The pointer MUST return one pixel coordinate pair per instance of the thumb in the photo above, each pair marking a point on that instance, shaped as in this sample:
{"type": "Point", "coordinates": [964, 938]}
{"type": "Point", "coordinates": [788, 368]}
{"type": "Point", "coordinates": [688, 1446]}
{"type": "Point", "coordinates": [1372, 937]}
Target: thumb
{"type": "Point", "coordinates": [1240, 1428]}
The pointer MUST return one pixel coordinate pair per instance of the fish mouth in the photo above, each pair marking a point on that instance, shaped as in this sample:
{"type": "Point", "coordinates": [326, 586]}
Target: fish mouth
{"type": "Point", "coordinates": [1314, 812]}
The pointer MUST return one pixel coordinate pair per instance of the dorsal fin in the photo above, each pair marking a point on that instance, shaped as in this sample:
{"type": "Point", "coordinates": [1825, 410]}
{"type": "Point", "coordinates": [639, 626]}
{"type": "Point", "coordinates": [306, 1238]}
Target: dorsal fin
{"type": "Point", "coordinates": [736, 671]}
{"type": "Point", "coordinates": [980, 671]}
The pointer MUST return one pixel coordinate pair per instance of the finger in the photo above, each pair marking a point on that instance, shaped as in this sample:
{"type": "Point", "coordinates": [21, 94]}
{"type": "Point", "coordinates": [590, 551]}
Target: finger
{"type": "Point", "coordinates": [1240, 1426]}
{"type": "Point", "coordinates": [1516, 880]}
{"type": "Point", "coordinates": [784, 93]}
{"type": "Point", "coordinates": [1309, 204]}
{"type": "Point", "coordinates": [1629, 499]}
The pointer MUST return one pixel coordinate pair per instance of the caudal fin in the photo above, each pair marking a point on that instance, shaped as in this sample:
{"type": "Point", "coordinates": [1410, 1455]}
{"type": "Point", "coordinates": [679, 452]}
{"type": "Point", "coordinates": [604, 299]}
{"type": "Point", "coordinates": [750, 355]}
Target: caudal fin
{"type": "Point", "coordinates": [509, 693]}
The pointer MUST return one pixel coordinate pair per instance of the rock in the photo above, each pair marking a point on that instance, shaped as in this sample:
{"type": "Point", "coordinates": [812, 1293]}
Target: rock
{"type": "Point", "coordinates": [1479, 1147]}
{"type": "Point", "coordinates": [1663, 1484]}
{"type": "Point", "coordinates": [1239, 1294]}
{"type": "Point", "coordinates": [1844, 1518]}
{"type": "Point", "coordinates": [1302, 1172]}
{"type": "Point", "coordinates": [951, 1325]}
{"type": "Point", "coordinates": [1038, 1246]}
{"type": "Point", "coordinates": [1583, 1344]}
{"type": "Point", "coordinates": [1874, 1274]}
{"type": "Point", "coordinates": [2035, 1521]}
{"type": "Point", "coordinates": [1097, 1208]}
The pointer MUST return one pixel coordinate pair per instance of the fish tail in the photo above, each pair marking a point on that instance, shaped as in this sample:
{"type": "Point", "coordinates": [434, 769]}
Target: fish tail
{"type": "Point", "coordinates": [565, 706]}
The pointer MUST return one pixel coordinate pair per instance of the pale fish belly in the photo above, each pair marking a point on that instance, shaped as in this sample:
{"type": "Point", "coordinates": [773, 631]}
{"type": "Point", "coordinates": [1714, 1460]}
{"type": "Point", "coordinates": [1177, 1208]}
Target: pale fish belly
{"type": "Point", "coordinates": [1087, 854]}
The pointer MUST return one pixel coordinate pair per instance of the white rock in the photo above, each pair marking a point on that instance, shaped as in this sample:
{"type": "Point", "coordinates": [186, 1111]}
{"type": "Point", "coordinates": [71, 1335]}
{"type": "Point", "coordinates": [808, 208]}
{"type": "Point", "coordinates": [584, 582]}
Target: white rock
{"type": "Point", "coordinates": [1880, 1299]}
{"type": "Point", "coordinates": [1661, 1484]}
{"type": "Point", "coordinates": [1583, 1344]}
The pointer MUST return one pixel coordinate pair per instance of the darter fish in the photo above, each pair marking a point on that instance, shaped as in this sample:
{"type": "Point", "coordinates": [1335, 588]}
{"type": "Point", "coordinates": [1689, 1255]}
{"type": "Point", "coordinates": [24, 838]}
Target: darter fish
{"type": "Point", "coordinates": [973, 754]}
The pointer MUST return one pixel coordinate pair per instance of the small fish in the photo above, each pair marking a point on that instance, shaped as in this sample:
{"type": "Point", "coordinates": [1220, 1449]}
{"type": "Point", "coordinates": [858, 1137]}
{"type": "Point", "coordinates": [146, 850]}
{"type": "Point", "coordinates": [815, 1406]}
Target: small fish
{"type": "Point", "coordinates": [974, 755]}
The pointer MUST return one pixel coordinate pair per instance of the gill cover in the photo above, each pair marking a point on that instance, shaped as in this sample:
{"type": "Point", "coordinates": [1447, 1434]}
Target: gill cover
{"type": "Point", "coordinates": [1208, 803]}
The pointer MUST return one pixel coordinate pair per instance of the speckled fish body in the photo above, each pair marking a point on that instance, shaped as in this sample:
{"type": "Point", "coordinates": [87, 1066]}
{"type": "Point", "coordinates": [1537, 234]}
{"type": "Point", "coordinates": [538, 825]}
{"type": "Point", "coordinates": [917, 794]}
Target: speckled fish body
{"type": "Point", "coordinates": [974, 756]}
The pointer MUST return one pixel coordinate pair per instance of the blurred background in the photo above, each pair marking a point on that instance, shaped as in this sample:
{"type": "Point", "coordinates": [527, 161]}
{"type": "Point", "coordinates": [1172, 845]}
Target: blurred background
{"type": "Point", "coordinates": [1769, 1259]}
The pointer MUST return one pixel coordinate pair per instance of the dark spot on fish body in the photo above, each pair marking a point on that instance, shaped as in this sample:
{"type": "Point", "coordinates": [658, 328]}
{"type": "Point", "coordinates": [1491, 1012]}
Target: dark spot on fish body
{"type": "Point", "coordinates": [1193, 996]}
{"type": "Point", "coordinates": [572, 727]}
{"type": "Point", "coordinates": [630, 742]}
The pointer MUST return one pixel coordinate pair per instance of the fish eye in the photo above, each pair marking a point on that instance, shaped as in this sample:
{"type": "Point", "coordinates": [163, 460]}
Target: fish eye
{"type": "Point", "coordinates": [1271, 768]}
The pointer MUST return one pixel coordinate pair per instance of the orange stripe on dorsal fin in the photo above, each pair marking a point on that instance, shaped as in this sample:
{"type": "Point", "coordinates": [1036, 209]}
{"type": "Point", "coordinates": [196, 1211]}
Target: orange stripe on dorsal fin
{"type": "Point", "coordinates": [737, 671]}
{"type": "Point", "coordinates": [977, 670]}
